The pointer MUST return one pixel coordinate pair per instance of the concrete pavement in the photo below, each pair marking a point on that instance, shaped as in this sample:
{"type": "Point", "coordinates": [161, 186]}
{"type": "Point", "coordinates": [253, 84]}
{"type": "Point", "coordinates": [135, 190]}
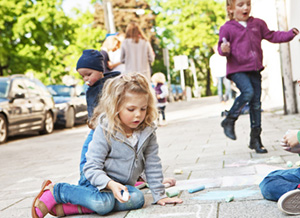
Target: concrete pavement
{"type": "Point", "coordinates": [192, 141]}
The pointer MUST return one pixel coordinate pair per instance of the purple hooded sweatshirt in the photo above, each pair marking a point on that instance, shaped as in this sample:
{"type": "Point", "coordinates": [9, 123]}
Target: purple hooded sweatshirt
{"type": "Point", "coordinates": [245, 44]}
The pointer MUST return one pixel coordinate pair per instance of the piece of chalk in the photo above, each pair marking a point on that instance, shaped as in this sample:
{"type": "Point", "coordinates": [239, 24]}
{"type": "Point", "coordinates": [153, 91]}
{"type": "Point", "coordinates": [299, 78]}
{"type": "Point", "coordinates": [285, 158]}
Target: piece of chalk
{"type": "Point", "coordinates": [289, 163]}
{"type": "Point", "coordinates": [171, 194]}
{"type": "Point", "coordinates": [224, 40]}
{"type": "Point", "coordinates": [178, 171]}
{"type": "Point", "coordinates": [125, 196]}
{"type": "Point", "coordinates": [167, 185]}
{"type": "Point", "coordinates": [229, 198]}
{"type": "Point", "coordinates": [200, 188]}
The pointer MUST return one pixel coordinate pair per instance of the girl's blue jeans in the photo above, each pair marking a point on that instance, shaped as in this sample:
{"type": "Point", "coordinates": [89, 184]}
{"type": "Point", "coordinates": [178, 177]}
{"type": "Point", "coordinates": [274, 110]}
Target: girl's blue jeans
{"type": "Point", "coordinates": [278, 182]}
{"type": "Point", "coordinates": [102, 202]}
{"type": "Point", "coordinates": [249, 84]}
{"type": "Point", "coordinates": [87, 195]}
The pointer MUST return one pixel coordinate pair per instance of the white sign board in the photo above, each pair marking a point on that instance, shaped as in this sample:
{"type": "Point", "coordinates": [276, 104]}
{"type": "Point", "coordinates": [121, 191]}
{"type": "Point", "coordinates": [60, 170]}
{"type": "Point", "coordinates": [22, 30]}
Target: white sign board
{"type": "Point", "coordinates": [181, 62]}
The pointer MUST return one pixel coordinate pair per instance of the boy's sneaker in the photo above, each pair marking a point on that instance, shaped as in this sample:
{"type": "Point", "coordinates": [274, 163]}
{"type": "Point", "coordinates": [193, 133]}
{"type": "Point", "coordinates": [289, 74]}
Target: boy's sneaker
{"type": "Point", "coordinates": [290, 202]}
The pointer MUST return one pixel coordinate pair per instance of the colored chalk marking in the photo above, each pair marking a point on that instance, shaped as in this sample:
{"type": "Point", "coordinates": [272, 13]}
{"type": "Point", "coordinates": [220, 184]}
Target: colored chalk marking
{"type": "Point", "coordinates": [229, 198]}
{"type": "Point", "coordinates": [172, 194]}
{"type": "Point", "coordinates": [200, 188]}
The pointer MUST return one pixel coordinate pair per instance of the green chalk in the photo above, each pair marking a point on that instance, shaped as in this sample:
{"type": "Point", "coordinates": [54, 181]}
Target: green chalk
{"type": "Point", "coordinates": [172, 193]}
{"type": "Point", "coordinates": [229, 198]}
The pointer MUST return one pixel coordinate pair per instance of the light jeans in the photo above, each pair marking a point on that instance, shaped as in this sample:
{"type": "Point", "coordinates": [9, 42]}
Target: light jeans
{"type": "Point", "coordinates": [102, 202]}
{"type": "Point", "coordinates": [278, 182]}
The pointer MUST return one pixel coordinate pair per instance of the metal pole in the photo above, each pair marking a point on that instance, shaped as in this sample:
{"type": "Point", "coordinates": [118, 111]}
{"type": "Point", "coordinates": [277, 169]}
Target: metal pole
{"type": "Point", "coordinates": [109, 16]}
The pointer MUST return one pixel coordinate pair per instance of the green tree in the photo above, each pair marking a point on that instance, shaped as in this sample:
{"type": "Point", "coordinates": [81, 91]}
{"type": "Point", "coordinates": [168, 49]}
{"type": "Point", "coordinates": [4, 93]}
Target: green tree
{"type": "Point", "coordinates": [31, 33]}
{"type": "Point", "coordinates": [37, 37]}
{"type": "Point", "coordinates": [190, 27]}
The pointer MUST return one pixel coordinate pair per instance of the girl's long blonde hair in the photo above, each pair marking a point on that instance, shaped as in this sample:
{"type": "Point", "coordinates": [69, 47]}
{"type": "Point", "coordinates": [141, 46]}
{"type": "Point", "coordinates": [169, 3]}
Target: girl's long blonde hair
{"type": "Point", "coordinates": [134, 32]}
{"type": "Point", "coordinates": [113, 97]}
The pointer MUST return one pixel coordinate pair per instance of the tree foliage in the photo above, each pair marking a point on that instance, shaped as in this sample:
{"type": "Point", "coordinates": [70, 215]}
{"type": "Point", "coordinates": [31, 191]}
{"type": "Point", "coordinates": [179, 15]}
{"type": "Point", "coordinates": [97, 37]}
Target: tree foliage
{"type": "Point", "coordinates": [190, 27]}
{"type": "Point", "coordinates": [31, 34]}
{"type": "Point", "coordinates": [37, 37]}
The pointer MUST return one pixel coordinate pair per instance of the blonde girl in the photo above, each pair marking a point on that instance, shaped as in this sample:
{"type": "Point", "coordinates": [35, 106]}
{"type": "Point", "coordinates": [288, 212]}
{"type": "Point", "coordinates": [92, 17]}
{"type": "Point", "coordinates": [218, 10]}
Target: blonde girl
{"type": "Point", "coordinates": [123, 146]}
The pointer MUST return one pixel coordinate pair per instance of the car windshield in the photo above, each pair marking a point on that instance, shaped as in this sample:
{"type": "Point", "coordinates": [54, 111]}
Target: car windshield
{"type": "Point", "coordinates": [4, 84]}
{"type": "Point", "coordinates": [60, 90]}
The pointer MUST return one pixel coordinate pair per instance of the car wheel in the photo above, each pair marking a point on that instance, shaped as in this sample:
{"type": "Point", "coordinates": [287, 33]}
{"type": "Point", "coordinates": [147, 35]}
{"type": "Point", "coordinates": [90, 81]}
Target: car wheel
{"type": "Point", "coordinates": [48, 124]}
{"type": "Point", "coordinates": [70, 118]}
{"type": "Point", "coordinates": [3, 129]}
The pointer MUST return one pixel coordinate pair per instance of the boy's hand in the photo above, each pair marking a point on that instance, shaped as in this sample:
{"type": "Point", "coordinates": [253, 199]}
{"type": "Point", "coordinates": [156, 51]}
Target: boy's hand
{"type": "Point", "coordinates": [290, 138]}
{"type": "Point", "coordinates": [165, 201]}
{"type": "Point", "coordinates": [116, 188]}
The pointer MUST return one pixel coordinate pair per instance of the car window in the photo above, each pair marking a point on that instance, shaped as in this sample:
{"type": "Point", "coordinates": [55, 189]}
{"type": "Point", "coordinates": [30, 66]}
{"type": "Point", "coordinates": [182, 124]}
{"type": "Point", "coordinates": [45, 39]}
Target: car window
{"type": "Point", "coordinates": [18, 87]}
{"type": "Point", "coordinates": [65, 91]}
{"type": "Point", "coordinates": [32, 88]}
{"type": "Point", "coordinates": [4, 85]}
{"type": "Point", "coordinates": [43, 89]}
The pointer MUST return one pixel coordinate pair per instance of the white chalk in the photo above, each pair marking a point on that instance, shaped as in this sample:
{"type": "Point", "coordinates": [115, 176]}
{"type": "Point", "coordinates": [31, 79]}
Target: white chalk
{"type": "Point", "coordinates": [224, 40]}
{"type": "Point", "coordinates": [178, 171]}
{"type": "Point", "coordinates": [125, 196]}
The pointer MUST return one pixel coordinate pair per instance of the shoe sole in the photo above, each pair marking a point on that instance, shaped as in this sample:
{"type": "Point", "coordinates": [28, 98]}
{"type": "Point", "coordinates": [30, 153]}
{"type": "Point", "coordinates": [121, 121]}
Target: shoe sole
{"type": "Point", "coordinates": [33, 212]}
{"type": "Point", "coordinates": [290, 202]}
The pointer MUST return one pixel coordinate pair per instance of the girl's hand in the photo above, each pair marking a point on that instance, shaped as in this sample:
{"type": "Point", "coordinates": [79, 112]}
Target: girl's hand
{"type": "Point", "coordinates": [290, 138]}
{"type": "Point", "coordinates": [169, 182]}
{"type": "Point", "coordinates": [225, 47]}
{"type": "Point", "coordinates": [165, 201]}
{"type": "Point", "coordinates": [295, 31]}
{"type": "Point", "coordinates": [117, 188]}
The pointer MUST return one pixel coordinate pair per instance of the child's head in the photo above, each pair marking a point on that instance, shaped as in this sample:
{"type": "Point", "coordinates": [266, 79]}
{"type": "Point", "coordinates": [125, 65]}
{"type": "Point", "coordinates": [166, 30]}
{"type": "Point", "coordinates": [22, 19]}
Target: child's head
{"type": "Point", "coordinates": [133, 31]}
{"type": "Point", "coordinates": [111, 43]}
{"type": "Point", "coordinates": [238, 10]}
{"type": "Point", "coordinates": [127, 102]}
{"type": "Point", "coordinates": [158, 78]}
{"type": "Point", "coordinates": [90, 66]}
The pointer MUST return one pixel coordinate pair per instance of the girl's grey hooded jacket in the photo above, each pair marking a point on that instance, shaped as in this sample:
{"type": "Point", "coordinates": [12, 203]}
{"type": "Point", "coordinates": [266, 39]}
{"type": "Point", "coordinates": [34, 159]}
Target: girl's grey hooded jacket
{"type": "Point", "coordinates": [120, 162]}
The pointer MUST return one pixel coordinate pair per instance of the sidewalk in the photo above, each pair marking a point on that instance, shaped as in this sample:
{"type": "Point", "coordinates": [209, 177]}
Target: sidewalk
{"type": "Point", "coordinates": [192, 141]}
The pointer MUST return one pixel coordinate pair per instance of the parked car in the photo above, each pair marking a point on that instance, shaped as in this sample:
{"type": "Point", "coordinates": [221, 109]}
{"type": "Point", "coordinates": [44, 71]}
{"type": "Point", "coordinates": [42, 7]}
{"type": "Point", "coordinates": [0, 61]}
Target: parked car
{"type": "Point", "coordinates": [70, 103]}
{"type": "Point", "coordinates": [25, 105]}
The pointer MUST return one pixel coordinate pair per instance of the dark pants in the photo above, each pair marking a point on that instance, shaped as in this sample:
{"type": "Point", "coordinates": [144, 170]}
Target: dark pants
{"type": "Point", "coordinates": [161, 110]}
{"type": "Point", "coordinates": [249, 84]}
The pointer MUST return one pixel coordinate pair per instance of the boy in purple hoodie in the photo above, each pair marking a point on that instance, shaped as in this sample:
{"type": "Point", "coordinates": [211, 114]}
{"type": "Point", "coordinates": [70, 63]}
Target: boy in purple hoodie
{"type": "Point", "coordinates": [240, 41]}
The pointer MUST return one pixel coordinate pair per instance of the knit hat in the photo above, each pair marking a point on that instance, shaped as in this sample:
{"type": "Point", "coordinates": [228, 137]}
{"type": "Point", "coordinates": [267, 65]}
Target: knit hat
{"type": "Point", "coordinates": [91, 59]}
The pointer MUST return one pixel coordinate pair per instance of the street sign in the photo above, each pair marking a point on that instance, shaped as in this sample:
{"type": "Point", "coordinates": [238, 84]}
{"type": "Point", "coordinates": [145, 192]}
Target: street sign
{"type": "Point", "coordinates": [181, 62]}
